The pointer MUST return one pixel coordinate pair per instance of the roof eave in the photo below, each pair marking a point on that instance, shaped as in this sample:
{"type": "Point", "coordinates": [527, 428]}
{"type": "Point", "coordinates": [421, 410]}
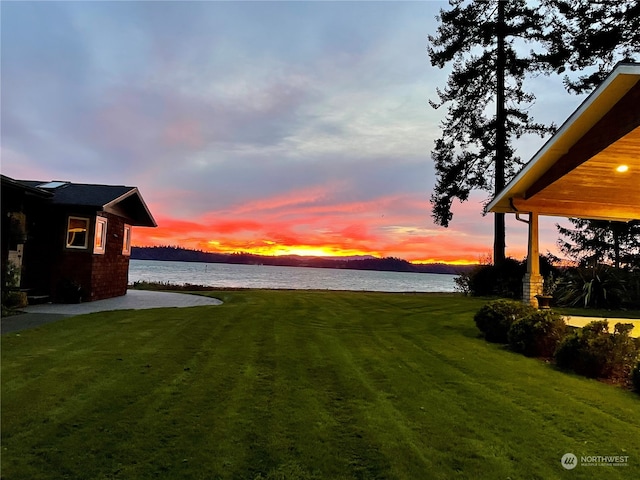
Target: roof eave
{"type": "Point", "coordinates": [149, 221]}
{"type": "Point", "coordinates": [26, 188]}
{"type": "Point", "coordinates": [615, 86]}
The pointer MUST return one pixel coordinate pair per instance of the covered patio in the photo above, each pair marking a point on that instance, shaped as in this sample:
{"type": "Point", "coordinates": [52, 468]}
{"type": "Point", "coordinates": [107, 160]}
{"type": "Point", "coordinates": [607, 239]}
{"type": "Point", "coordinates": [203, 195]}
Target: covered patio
{"type": "Point", "coordinates": [589, 169]}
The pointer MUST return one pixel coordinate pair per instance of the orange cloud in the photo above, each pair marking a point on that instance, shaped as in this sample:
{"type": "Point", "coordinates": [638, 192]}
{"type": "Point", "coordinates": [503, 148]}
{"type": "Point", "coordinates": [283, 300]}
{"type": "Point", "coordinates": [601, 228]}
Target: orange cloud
{"type": "Point", "coordinates": [310, 222]}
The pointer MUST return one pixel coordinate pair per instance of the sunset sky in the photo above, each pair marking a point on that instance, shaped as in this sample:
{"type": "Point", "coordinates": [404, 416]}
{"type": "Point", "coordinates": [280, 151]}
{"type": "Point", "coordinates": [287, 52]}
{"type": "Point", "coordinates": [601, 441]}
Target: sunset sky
{"type": "Point", "coordinates": [269, 127]}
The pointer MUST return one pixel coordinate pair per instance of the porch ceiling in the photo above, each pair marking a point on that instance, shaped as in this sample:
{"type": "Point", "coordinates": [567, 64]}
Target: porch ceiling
{"type": "Point", "coordinates": [576, 173]}
{"type": "Point", "coordinates": [594, 189]}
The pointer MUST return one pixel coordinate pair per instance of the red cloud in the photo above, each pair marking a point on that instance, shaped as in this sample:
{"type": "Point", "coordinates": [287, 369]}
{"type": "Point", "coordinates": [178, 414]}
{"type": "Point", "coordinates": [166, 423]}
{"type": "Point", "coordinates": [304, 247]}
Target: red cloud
{"type": "Point", "coordinates": [309, 221]}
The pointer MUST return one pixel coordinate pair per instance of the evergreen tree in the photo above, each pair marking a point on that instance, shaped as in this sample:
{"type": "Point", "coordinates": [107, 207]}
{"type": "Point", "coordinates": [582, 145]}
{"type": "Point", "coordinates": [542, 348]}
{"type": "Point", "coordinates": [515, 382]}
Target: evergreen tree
{"type": "Point", "coordinates": [485, 41]}
{"type": "Point", "coordinates": [487, 104]}
{"type": "Point", "coordinates": [591, 36]}
{"type": "Point", "coordinates": [593, 242]}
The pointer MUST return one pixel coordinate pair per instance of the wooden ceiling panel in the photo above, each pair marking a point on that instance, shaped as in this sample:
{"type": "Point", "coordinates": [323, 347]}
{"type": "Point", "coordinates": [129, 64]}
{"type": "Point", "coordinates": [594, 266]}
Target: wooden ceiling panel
{"type": "Point", "coordinates": [574, 174]}
{"type": "Point", "coordinates": [596, 182]}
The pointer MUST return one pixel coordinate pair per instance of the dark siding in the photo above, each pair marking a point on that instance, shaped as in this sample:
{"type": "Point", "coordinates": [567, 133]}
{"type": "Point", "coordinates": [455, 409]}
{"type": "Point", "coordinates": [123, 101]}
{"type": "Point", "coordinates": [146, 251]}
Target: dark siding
{"type": "Point", "coordinates": [97, 276]}
{"type": "Point", "coordinates": [110, 271]}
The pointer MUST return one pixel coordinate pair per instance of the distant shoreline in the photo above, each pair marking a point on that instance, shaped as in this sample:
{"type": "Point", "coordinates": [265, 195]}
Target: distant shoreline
{"type": "Point", "coordinates": [389, 264]}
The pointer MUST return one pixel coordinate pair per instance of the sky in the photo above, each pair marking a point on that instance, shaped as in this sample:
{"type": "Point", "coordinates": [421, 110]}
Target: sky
{"type": "Point", "coordinates": [267, 127]}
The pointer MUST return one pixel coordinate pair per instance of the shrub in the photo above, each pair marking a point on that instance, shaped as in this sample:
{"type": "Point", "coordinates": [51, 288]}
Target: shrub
{"type": "Point", "coordinates": [463, 282]}
{"type": "Point", "coordinates": [584, 350]}
{"type": "Point", "coordinates": [635, 377]}
{"type": "Point", "coordinates": [599, 287]}
{"type": "Point", "coordinates": [11, 297]}
{"type": "Point", "coordinates": [69, 291]}
{"type": "Point", "coordinates": [495, 318]}
{"type": "Point", "coordinates": [594, 352]}
{"type": "Point", "coordinates": [633, 290]}
{"type": "Point", "coordinates": [502, 280]}
{"type": "Point", "coordinates": [14, 299]}
{"type": "Point", "coordinates": [537, 334]}
{"type": "Point", "coordinates": [11, 275]}
{"type": "Point", "coordinates": [162, 286]}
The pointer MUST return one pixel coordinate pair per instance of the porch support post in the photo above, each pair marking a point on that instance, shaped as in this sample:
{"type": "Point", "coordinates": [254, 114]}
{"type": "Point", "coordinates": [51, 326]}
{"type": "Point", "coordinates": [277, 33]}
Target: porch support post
{"type": "Point", "coordinates": [532, 281]}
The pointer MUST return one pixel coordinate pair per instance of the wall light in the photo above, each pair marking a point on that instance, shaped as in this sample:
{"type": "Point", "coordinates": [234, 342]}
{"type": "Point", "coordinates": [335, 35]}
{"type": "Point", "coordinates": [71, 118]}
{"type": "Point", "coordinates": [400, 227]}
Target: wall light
{"type": "Point", "coordinates": [622, 168]}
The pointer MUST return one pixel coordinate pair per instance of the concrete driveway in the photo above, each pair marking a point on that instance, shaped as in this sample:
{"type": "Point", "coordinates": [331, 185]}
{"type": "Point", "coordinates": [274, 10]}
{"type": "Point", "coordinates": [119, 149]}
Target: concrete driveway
{"type": "Point", "coordinates": [36, 315]}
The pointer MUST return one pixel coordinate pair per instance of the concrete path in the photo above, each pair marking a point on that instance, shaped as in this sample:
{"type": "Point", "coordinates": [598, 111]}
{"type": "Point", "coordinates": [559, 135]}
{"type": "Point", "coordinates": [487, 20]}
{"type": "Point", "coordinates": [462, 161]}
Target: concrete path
{"type": "Point", "coordinates": [36, 315]}
{"type": "Point", "coordinates": [577, 321]}
{"type": "Point", "coordinates": [134, 299]}
{"type": "Point", "coordinates": [24, 321]}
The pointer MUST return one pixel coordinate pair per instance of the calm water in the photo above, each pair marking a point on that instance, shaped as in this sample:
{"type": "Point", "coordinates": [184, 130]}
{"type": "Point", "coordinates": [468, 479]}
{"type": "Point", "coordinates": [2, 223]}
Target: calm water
{"type": "Point", "coordinates": [263, 276]}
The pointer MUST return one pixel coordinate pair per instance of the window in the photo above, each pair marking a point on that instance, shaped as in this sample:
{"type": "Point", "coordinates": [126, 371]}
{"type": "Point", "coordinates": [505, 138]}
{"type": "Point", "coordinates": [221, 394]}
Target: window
{"type": "Point", "coordinates": [100, 238]}
{"type": "Point", "coordinates": [126, 240]}
{"type": "Point", "coordinates": [77, 229]}
{"type": "Point", "coordinates": [51, 185]}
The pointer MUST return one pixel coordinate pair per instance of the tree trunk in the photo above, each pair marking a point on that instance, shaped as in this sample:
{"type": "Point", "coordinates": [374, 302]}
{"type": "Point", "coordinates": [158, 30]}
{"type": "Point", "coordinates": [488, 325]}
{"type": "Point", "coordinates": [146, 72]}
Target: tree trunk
{"type": "Point", "coordinates": [501, 137]}
{"type": "Point", "coordinates": [616, 244]}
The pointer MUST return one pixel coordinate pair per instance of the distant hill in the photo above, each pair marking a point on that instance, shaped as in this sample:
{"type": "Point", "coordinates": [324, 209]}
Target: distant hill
{"type": "Point", "coordinates": [364, 262]}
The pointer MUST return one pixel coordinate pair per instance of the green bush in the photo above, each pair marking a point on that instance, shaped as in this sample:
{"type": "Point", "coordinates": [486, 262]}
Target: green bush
{"type": "Point", "coordinates": [495, 318]}
{"type": "Point", "coordinates": [635, 377]}
{"type": "Point", "coordinates": [502, 280]}
{"type": "Point", "coordinates": [599, 287]}
{"type": "Point", "coordinates": [11, 297]}
{"type": "Point", "coordinates": [633, 290]}
{"type": "Point", "coordinates": [14, 299]}
{"type": "Point", "coordinates": [594, 352]}
{"type": "Point", "coordinates": [537, 334]}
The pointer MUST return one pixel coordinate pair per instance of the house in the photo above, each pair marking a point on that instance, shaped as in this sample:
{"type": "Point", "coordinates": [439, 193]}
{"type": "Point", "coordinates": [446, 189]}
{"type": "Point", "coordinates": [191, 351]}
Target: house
{"type": "Point", "coordinates": [590, 168]}
{"type": "Point", "coordinates": [69, 241]}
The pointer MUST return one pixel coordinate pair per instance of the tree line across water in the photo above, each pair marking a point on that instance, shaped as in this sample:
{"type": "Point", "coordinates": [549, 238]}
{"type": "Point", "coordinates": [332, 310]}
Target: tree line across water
{"type": "Point", "coordinates": [388, 264]}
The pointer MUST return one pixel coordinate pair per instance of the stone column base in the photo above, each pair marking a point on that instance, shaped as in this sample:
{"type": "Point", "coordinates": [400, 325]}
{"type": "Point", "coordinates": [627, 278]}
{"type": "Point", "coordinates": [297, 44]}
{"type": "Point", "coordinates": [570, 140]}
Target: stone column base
{"type": "Point", "coordinates": [531, 286]}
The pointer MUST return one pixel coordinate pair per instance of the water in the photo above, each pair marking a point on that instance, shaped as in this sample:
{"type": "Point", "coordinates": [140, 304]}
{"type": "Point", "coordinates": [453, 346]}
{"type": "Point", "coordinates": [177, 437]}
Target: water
{"type": "Point", "coordinates": [225, 275]}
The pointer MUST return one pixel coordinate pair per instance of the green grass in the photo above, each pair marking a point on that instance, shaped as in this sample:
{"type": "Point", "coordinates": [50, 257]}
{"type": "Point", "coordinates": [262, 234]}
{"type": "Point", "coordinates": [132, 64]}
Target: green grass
{"type": "Point", "coordinates": [299, 385]}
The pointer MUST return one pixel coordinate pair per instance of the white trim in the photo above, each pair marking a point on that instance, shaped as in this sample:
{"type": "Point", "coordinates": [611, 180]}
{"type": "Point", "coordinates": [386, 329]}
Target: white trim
{"type": "Point", "coordinates": [134, 191]}
{"type": "Point", "coordinates": [619, 70]}
{"type": "Point", "coordinates": [126, 240]}
{"type": "Point", "coordinates": [100, 236]}
{"type": "Point", "coordinates": [70, 245]}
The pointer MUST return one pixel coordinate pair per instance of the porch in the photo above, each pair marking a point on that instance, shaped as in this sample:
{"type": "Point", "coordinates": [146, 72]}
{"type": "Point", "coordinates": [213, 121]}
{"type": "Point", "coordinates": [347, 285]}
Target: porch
{"type": "Point", "coordinates": [589, 169]}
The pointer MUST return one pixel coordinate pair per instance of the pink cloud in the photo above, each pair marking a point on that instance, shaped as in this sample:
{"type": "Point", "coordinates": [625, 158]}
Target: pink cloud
{"type": "Point", "coordinates": [395, 225]}
{"type": "Point", "coordinates": [187, 133]}
{"type": "Point", "coordinates": [301, 198]}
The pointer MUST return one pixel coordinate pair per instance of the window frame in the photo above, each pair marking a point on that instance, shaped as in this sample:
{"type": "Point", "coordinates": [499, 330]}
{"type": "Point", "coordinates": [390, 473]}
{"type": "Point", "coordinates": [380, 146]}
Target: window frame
{"type": "Point", "coordinates": [100, 249]}
{"type": "Point", "coordinates": [71, 246]}
{"type": "Point", "coordinates": [126, 240]}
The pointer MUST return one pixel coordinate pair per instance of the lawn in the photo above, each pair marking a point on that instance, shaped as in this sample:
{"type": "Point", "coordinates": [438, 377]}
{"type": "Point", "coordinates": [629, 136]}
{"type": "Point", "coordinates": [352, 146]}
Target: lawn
{"type": "Point", "coordinates": [299, 385]}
